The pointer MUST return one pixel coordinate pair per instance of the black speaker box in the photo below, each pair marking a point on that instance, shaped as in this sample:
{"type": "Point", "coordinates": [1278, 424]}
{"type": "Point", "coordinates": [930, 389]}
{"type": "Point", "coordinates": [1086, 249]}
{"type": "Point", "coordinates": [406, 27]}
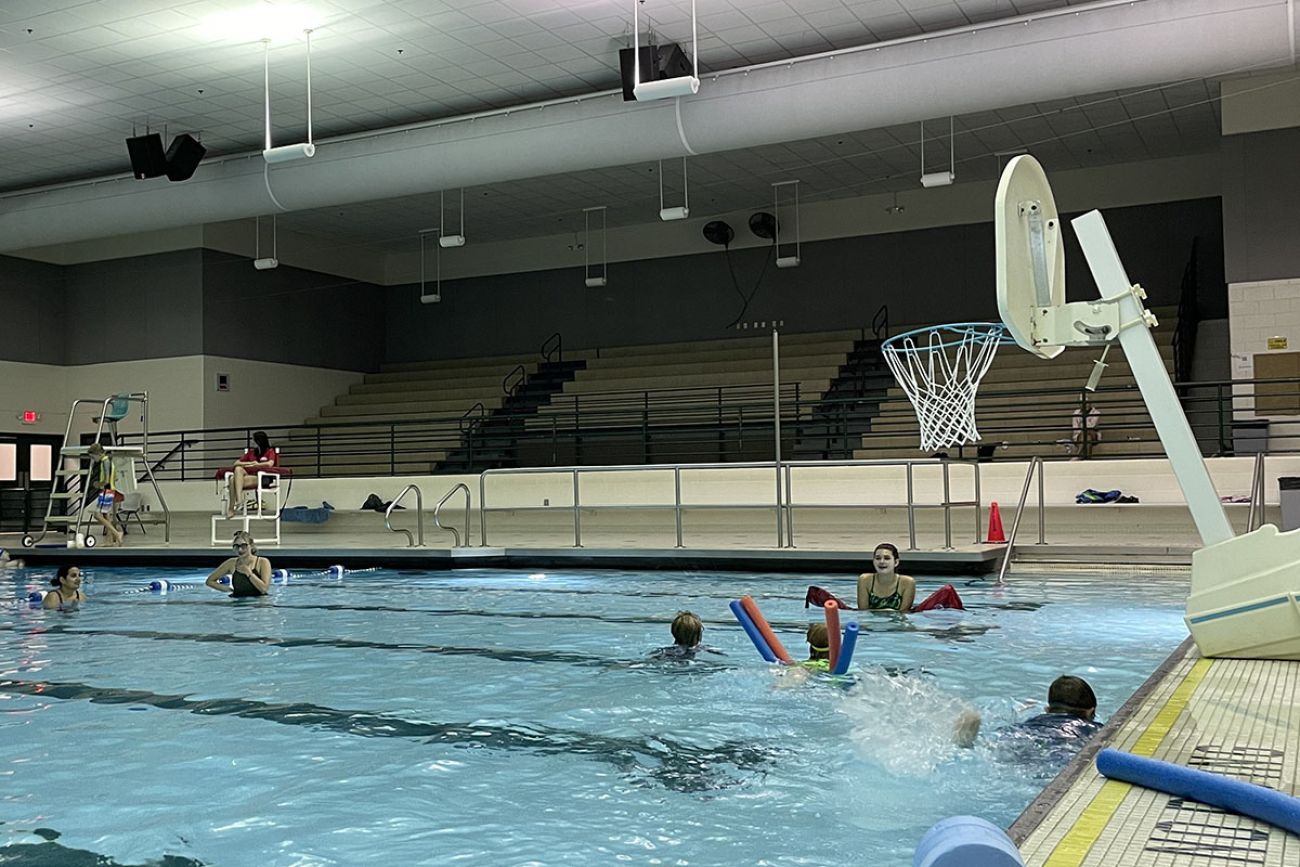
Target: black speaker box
{"type": "Point", "coordinates": [673, 62]}
{"type": "Point", "coordinates": [147, 157]}
{"type": "Point", "coordinates": [649, 69]}
{"type": "Point", "coordinates": [183, 157]}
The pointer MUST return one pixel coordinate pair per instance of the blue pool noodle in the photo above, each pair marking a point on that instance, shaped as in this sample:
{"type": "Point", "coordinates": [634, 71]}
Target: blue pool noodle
{"type": "Point", "coordinates": [846, 649]}
{"type": "Point", "coordinates": [1248, 799]}
{"type": "Point", "coordinates": [966, 841]}
{"type": "Point", "coordinates": [752, 631]}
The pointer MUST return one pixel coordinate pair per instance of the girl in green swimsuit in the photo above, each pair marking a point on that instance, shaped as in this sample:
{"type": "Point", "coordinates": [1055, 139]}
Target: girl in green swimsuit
{"type": "Point", "coordinates": [885, 589]}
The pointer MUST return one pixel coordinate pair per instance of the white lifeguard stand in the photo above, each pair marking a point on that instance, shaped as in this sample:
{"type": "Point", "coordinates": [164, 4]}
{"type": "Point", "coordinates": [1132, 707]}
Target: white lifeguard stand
{"type": "Point", "coordinates": [268, 489]}
{"type": "Point", "coordinates": [1245, 590]}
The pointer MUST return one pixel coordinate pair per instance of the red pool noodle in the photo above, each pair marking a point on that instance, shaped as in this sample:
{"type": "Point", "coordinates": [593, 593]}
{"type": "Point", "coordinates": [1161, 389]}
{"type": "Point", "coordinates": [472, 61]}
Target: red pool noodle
{"type": "Point", "coordinates": [833, 629]}
{"type": "Point", "coordinates": [773, 643]}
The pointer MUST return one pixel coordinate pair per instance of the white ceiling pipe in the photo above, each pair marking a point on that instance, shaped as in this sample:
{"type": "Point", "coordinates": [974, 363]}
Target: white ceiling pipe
{"type": "Point", "coordinates": [1089, 50]}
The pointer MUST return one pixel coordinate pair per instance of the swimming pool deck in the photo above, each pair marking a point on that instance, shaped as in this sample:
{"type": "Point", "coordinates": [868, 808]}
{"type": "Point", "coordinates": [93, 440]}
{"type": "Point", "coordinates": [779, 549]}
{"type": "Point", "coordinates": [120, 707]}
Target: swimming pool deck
{"type": "Point", "coordinates": [1236, 717]}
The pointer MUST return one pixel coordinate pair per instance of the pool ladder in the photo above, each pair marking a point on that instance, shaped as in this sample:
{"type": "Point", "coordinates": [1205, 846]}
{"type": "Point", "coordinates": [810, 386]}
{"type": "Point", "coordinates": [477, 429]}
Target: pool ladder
{"type": "Point", "coordinates": [418, 539]}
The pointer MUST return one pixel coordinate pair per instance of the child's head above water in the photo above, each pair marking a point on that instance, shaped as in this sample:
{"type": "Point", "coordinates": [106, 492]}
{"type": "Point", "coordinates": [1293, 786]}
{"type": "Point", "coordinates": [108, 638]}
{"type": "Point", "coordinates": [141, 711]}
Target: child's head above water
{"type": "Point", "coordinates": [819, 642]}
{"type": "Point", "coordinates": [687, 629]}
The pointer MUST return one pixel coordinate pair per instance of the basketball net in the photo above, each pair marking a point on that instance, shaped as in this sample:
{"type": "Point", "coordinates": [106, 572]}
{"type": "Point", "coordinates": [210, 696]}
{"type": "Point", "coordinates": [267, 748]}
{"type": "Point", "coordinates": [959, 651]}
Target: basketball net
{"type": "Point", "coordinates": [940, 369]}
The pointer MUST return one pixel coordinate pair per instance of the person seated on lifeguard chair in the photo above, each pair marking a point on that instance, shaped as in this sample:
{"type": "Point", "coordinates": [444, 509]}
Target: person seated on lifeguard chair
{"type": "Point", "coordinates": [243, 476]}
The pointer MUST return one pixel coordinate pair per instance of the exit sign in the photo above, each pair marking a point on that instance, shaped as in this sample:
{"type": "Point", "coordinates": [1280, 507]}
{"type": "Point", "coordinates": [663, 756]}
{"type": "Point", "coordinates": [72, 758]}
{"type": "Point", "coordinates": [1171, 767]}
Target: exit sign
{"type": "Point", "coordinates": [30, 416]}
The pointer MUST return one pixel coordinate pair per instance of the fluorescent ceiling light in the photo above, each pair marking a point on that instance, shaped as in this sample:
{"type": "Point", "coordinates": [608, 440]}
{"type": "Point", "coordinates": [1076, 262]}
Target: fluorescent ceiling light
{"type": "Point", "coordinates": [278, 23]}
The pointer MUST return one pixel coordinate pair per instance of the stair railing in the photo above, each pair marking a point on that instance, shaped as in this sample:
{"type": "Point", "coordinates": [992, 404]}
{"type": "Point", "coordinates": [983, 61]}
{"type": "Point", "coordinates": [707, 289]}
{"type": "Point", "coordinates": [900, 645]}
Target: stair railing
{"type": "Point", "coordinates": [419, 515]}
{"type": "Point", "coordinates": [458, 488]}
{"type": "Point", "coordinates": [1035, 463]}
{"type": "Point", "coordinates": [514, 380]}
{"type": "Point", "coordinates": [880, 322]}
{"type": "Point", "coordinates": [552, 348]}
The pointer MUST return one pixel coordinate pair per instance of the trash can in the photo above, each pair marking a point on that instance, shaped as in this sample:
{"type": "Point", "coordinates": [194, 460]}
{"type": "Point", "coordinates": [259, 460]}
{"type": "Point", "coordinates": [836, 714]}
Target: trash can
{"type": "Point", "coordinates": [1289, 493]}
{"type": "Point", "coordinates": [1249, 436]}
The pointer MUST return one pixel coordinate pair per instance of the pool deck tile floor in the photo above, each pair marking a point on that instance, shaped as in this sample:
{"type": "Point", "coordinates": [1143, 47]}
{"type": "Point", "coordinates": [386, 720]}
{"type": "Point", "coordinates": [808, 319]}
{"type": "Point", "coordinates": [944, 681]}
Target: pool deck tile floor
{"type": "Point", "coordinates": [1230, 716]}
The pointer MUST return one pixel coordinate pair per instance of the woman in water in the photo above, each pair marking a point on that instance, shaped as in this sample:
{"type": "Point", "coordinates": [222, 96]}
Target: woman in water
{"type": "Point", "coordinates": [67, 592]}
{"type": "Point", "coordinates": [885, 589]}
{"type": "Point", "coordinates": [250, 575]}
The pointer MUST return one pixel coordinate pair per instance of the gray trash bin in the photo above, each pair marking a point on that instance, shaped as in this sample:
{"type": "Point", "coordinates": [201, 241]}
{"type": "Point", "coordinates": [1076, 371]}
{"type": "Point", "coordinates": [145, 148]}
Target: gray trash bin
{"type": "Point", "coordinates": [1289, 489]}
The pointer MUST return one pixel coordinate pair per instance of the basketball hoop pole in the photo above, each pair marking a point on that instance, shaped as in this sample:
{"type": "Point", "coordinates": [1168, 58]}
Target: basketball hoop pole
{"type": "Point", "coordinates": [776, 427]}
{"type": "Point", "coordinates": [1153, 381]}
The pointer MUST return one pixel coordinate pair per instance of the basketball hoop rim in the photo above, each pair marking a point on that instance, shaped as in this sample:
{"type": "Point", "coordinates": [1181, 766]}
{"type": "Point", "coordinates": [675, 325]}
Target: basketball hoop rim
{"type": "Point", "coordinates": [962, 332]}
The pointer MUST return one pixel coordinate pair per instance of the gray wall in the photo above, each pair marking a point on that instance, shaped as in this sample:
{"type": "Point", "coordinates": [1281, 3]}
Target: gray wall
{"type": "Point", "coordinates": [1261, 205]}
{"type": "Point", "coordinates": [135, 308]}
{"type": "Point", "coordinates": [289, 315]}
{"type": "Point", "coordinates": [31, 298]}
{"type": "Point", "coordinates": [926, 276]}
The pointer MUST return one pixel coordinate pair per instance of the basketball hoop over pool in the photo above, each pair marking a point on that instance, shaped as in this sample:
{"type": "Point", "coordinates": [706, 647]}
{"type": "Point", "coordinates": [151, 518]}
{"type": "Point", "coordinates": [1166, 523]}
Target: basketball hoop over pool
{"type": "Point", "coordinates": [940, 369]}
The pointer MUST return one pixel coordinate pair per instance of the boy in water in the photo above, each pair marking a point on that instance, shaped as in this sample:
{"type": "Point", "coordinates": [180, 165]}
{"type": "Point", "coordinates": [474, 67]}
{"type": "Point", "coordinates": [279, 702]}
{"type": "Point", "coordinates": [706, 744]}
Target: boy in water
{"type": "Point", "coordinates": [687, 633]}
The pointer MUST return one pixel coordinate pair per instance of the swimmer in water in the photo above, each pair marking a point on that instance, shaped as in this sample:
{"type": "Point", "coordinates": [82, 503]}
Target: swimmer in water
{"type": "Point", "coordinates": [885, 589]}
{"type": "Point", "coordinates": [687, 632]}
{"type": "Point", "coordinates": [250, 575]}
{"type": "Point", "coordinates": [67, 593]}
{"type": "Point", "coordinates": [1061, 731]}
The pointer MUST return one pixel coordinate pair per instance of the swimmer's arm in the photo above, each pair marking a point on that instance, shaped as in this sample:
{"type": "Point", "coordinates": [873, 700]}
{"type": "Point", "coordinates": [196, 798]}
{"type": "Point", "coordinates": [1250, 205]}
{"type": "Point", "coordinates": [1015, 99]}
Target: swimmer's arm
{"type": "Point", "coordinates": [261, 577]}
{"type": "Point", "coordinates": [224, 569]}
{"type": "Point", "coordinates": [864, 584]}
{"type": "Point", "coordinates": [909, 593]}
{"type": "Point", "coordinates": [967, 727]}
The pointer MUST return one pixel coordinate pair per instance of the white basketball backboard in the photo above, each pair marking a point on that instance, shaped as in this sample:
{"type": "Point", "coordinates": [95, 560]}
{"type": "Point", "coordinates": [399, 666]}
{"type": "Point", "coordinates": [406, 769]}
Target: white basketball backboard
{"type": "Point", "coordinates": [1030, 253]}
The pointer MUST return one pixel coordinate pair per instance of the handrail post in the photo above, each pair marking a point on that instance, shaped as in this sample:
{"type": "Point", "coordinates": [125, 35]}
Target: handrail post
{"type": "Point", "coordinates": [1035, 463]}
{"type": "Point", "coordinates": [677, 501]}
{"type": "Point", "coordinates": [482, 509]}
{"type": "Point", "coordinates": [979, 504]}
{"type": "Point", "coordinates": [776, 427]}
{"type": "Point", "coordinates": [947, 508]}
{"type": "Point", "coordinates": [789, 507]}
{"type": "Point", "coordinates": [577, 514]}
{"type": "Point", "coordinates": [911, 511]}
{"type": "Point", "coordinates": [1042, 512]}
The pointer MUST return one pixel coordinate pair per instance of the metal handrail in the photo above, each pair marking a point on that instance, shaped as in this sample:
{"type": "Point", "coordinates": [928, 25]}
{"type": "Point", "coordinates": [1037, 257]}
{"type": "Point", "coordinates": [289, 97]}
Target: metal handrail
{"type": "Point", "coordinates": [419, 515]}
{"type": "Point", "coordinates": [510, 383]}
{"type": "Point", "coordinates": [553, 345]}
{"type": "Point", "coordinates": [1034, 463]}
{"type": "Point", "coordinates": [787, 506]}
{"type": "Point", "coordinates": [477, 417]}
{"type": "Point", "coordinates": [460, 486]}
{"type": "Point", "coordinates": [880, 322]}
{"type": "Point", "coordinates": [1255, 517]}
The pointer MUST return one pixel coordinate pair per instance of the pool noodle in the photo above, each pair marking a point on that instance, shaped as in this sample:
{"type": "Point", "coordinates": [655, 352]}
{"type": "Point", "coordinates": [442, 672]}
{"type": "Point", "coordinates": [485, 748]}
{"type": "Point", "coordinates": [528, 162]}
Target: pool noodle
{"type": "Point", "coordinates": [774, 643]}
{"type": "Point", "coordinates": [833, 630]}
{"type": "Point", "coordinates": [1248, 799]}
{"type": "Point", "coordinates": [846, 651]}
{"type": "Point", "coordinates": [752, 631]}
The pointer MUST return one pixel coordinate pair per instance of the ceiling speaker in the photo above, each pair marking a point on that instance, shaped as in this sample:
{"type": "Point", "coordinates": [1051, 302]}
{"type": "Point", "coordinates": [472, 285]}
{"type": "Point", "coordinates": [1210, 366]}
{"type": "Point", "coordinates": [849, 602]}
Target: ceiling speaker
{"type": "Point", "coordinates": [183, 157]}
{"type": "Point", "coordinates": [147, 157]}
{"type": "Point", "coordinates": [718, 232]}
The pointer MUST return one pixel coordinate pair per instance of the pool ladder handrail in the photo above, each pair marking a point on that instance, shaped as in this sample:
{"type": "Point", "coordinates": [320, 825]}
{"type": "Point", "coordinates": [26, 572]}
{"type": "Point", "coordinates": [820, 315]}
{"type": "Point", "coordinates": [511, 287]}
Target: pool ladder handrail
{"type": "Point", "coordinates": [460, 486]}
{"type": "Point", "coordinates": [419, 515]}
{"type": "Point", "coordinates": [1035, 463]}
{"type": "Point", "coordinates": [1255, 517]}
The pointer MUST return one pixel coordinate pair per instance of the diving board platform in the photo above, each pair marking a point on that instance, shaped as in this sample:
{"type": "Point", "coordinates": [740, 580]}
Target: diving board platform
{"type": "Point", "coordinates": [1237, 717]}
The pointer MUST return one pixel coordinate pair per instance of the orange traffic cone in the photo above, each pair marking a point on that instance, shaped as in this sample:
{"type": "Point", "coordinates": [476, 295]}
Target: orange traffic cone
{"type": "Point", "coordinates": [995, 526]}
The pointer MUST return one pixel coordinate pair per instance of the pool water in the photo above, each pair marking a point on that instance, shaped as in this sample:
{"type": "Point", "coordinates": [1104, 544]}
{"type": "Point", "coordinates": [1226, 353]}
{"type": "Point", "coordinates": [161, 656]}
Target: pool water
{"type": "Point", "coordinates": [500, 717]}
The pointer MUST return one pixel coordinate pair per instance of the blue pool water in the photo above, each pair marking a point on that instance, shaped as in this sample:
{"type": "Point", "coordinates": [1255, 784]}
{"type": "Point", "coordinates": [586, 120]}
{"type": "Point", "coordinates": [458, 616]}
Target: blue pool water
{"type": "Point", "coordinates": [499, 717]}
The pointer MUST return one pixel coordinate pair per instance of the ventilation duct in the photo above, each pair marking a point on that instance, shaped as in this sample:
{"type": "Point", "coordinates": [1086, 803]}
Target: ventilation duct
{"type": "Point", "coordinates": [1081, 49]}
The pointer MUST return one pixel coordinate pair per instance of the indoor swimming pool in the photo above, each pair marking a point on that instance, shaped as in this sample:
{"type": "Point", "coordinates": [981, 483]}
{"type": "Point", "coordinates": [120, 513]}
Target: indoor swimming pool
{"type": "Point", "coordinates": [508, 718]}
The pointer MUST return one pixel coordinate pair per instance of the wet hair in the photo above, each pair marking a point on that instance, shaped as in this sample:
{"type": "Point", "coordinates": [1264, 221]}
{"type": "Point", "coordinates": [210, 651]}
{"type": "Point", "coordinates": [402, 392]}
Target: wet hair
{"type": "Point", "coordinates": [245, 536]}
{"type": "Point", "coordinates": [819, 641]}
{"type": "Point", "coordinates": [62, 573]}
{"type": "Point", "coordinates": [687, 629]}
{"type": "Point", "coordinates": [262, 443]}
{"type": "Point", "coordinates": [95, 450]}
{"type": "Point", "coordinates": [888, 546]}
{"type": "Point", "coordinates": [1072, 695]}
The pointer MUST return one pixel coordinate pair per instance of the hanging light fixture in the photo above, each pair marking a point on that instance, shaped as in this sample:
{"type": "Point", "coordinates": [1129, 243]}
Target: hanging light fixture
{"type": "Point", "coordinates": [939, 179]}
{"type": "Point", "coordinates": [285, 153]}
{"type": "Point", "coordinates": [457, 240]}
{"type": "Point", "coordinates": [679, 213]}
{"type": "Point", "coordinates": [786, 261]}
{"type": "Point", "coordinates": [425, 297]}
{"type": "Point", "coordinates": [664, 88]}
{"type": "Point", "coordinates": [260, 263]}
{"type": "Point", "coordinates": [595, 278]}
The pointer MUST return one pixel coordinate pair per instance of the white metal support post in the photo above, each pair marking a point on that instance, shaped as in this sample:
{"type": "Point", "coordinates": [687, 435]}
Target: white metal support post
{"type": "Point", "coordinates": [1153, 380]}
